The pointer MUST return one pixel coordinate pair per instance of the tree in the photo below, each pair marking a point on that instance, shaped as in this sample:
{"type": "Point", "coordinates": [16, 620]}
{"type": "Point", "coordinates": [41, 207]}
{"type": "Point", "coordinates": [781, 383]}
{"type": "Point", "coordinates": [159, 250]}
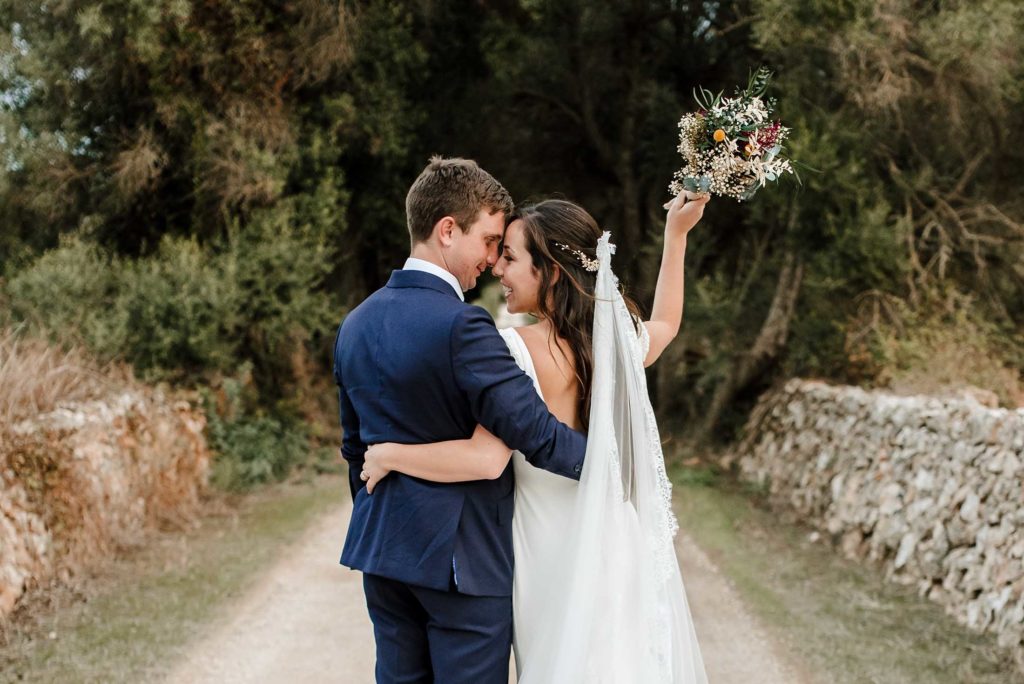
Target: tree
{"type": "Point", "coordinates": [914, 106]}
{"type": "Point", "coordinates": [601, 86]}
{"type": "Point", "coordinates": [132, 120]}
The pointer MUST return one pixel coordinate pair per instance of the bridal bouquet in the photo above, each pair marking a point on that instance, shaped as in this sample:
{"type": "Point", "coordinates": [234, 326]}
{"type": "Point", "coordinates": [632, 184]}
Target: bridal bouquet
{"type": "Point", "coordinates": [731, 147]}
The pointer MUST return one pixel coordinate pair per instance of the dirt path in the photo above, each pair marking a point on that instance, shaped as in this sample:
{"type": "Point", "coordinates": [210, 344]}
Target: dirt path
{"type": "Point", "coordinates": [306, 622]}
{"type": "Point", "coordinates": [735, 648]}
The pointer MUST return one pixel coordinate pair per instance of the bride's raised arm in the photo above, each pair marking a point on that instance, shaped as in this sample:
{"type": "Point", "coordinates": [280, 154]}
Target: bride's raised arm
{"type": "Point", "coordinates": [481, 457]}
{"type": "Point", "coordinates": [667, 312]}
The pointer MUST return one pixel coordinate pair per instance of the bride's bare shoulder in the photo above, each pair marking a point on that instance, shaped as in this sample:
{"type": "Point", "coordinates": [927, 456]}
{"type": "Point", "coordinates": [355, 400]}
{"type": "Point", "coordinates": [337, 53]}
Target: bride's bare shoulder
{"type": "Point", "coordinates": [536, 338]}
{"type": "Point", "coordinates": [549, 354]}
{"type": "Point", "coordinates": [529, 331]}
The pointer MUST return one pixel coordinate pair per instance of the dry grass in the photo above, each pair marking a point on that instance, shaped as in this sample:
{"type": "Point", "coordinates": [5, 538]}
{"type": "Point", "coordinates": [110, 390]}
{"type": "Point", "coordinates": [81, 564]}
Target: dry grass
{"type": "Point", "coordinates": [36, 376]}
{"type": "Point", "coordinates": [952, 369]}
{"type": "Point", "coordinates": [939, 347]}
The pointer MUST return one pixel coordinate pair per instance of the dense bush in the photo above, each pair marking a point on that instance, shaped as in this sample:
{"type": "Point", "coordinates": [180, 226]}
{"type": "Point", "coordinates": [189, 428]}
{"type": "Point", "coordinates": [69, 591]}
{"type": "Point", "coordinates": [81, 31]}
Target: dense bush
{"type": "Point", "coordinates": [69, 292]}
{"type": "Point", "coordinates": [253, 447]}
{"type": "Point", "coordinates": [192, 315]}
{"type": "Point", "coordinates": [187, 311]}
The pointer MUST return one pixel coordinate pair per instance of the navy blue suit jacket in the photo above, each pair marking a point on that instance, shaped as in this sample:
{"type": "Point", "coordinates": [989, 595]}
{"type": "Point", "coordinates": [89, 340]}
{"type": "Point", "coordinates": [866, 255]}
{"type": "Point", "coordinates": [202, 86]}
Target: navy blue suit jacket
{"type": "Point", "coordinates": [415, 364]}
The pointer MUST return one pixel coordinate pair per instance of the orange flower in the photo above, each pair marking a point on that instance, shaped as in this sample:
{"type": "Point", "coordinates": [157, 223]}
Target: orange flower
{"type": "Point", "coordinates": [749, 150]}
{"type": "Point", "coordinates": [719, 135]}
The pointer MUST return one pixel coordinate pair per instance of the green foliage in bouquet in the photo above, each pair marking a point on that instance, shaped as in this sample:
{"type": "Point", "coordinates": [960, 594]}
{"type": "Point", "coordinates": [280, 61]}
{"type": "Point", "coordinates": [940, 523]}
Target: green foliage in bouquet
{"type": "Point", "coordinates": [716, 117]}
{"type": "Point", "coordinates": [731, 147]}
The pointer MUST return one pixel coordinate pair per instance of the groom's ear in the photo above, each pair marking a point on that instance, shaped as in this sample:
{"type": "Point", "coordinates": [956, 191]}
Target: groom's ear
{"type": "Point", "coordinates": [444, 229]}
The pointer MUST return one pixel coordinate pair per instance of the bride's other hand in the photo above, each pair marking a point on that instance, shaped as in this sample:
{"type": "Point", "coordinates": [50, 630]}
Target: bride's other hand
{"type": "Point", "coordinates": [684, 212]}
{"type": "Point", "coordinates": [374, 468]}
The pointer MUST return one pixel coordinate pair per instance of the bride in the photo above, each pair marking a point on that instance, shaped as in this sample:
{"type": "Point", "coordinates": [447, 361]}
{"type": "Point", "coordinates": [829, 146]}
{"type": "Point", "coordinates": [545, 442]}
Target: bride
{"type": "Point", "coordinates": [597, 594]}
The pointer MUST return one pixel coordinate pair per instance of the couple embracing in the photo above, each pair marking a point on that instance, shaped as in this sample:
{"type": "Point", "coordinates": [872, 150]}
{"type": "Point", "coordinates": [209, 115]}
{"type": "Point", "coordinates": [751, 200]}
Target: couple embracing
{"type": "Point", "coordinates": [508, 486]}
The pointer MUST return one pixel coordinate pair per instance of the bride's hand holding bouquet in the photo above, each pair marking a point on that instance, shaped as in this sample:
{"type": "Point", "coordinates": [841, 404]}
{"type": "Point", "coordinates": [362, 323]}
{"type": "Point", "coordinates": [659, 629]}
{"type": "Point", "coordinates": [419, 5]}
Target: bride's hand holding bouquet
{"type": "Point", "coordinates": [684, 212]}
{"type": "Point", "coordinates": [731, 147]}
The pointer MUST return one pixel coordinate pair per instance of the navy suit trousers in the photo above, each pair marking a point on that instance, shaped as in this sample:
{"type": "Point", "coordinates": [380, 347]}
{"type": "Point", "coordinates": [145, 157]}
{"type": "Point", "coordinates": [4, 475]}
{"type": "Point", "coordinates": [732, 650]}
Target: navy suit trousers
{"type": "Point", "coordinates": [425, 635]}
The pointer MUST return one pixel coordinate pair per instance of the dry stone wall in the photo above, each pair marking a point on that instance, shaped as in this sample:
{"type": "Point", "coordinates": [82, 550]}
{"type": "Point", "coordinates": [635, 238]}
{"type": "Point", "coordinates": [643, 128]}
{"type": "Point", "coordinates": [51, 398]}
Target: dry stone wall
{"type": "Point", "coordinates": [929, 488]}
{"type": "Point", "coordinates": [80, 482]}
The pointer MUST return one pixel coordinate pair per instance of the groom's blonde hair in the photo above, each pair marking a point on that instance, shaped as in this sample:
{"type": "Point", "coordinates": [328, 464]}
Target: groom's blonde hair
{"type": "Point", "coordinates": [452, 187]}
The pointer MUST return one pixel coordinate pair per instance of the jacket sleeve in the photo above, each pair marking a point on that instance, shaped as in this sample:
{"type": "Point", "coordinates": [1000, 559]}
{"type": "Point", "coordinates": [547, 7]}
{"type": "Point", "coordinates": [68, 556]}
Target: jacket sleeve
{"type": "Point", "coordinates": [352, 448]}
{"type": "Point", "coordinates": [503, 399]}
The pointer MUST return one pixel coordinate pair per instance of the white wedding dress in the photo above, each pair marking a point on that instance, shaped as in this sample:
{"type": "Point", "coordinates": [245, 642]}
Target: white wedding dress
{"type": "Point", "coordinates": [597, 596]}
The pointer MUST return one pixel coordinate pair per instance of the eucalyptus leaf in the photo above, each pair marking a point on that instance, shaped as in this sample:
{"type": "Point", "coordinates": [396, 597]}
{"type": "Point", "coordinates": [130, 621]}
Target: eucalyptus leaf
{"type": "Point", "coordinates": [749, 192]}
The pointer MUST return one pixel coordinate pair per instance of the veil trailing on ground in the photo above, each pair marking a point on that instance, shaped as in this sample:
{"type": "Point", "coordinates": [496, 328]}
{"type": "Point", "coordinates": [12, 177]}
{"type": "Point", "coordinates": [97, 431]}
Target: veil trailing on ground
{"type": "Point", "coordinates": [622, 610]}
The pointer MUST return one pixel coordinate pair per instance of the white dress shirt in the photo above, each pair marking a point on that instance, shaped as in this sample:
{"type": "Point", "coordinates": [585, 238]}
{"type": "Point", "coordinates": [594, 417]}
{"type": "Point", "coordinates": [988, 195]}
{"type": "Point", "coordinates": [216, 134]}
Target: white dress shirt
{"type": "Point", "coordinates": [414, 264]}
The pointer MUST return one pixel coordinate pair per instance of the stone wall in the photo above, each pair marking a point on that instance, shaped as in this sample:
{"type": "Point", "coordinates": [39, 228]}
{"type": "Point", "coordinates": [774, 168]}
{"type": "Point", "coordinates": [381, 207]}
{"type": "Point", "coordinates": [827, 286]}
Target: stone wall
{"type": "Point", "coordinates": [931, 489]}
{"type": "Point", "coordinates": [81, 482]}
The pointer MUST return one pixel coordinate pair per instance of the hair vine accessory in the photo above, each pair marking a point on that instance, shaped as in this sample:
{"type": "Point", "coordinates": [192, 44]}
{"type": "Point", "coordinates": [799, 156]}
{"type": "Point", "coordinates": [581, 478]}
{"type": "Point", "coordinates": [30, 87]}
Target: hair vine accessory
{"type": "Point", "coordinates": [590, 265]}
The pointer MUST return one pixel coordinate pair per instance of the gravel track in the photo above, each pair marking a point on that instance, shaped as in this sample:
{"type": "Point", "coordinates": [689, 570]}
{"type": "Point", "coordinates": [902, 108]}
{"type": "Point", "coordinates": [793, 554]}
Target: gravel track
{"type": "Point", "coordinates": [305, 621]}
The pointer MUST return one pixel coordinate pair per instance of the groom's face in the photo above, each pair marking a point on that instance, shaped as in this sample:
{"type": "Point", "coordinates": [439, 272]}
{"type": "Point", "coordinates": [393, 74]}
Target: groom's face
{"type": "Point", "coordinates": [473, 252]}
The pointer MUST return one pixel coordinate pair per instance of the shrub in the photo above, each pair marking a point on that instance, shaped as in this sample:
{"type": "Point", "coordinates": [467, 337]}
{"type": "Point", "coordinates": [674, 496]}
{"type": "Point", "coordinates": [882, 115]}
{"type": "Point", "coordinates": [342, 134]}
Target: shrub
{"type": "Point", "coordinates": [177, 313]}
{"type": "Point", "coordinates": [188, 312]}
{"type": "Point", "coordinates": [69, 292]}
{"type": "Point", "coordinates": [252, 448]}
{"type": "Point", "coordinates": [941, 346]}
{"type": "Point", "coordinates": [252, 303]}
{"type": "Point", "coordinates": [280, 273]}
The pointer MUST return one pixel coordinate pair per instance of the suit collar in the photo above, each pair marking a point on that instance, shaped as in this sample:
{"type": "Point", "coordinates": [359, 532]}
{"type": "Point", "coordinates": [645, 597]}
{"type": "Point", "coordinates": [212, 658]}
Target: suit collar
{"type": "Point", "coordinates": [420, 279]}
{"type": "Point", "coordinates": [414, 264]}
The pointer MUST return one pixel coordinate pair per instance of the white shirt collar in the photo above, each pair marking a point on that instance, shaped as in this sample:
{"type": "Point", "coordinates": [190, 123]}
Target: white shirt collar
{"type": "Point", "coordinates": [414, 264]}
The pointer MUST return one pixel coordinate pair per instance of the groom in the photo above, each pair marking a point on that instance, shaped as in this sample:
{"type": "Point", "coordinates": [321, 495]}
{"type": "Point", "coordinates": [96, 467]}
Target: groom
{"type": "Point", "coordinates": [415, 364]}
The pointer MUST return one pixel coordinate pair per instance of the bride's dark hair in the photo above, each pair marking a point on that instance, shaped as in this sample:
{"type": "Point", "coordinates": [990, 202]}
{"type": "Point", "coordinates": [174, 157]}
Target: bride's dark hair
{"type": "Point", "coordinates": [568, 302]}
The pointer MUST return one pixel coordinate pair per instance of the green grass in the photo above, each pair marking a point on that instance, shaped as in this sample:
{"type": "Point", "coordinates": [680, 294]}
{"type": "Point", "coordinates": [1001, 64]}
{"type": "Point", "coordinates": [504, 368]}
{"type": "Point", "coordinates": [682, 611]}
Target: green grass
{"type": "Point", "coordinates": [145, 608]}
{"type": "Point", "coordinates": [842, 621]}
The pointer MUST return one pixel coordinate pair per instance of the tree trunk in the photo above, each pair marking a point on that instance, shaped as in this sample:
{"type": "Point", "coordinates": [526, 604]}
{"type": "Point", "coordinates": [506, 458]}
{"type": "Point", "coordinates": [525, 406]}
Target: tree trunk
{"type": "Point", "coordinates": [771, 340]}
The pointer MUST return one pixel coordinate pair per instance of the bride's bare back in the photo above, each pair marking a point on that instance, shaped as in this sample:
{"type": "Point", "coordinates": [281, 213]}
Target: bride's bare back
{"type": "Point", "coordinates": [552, 359]}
